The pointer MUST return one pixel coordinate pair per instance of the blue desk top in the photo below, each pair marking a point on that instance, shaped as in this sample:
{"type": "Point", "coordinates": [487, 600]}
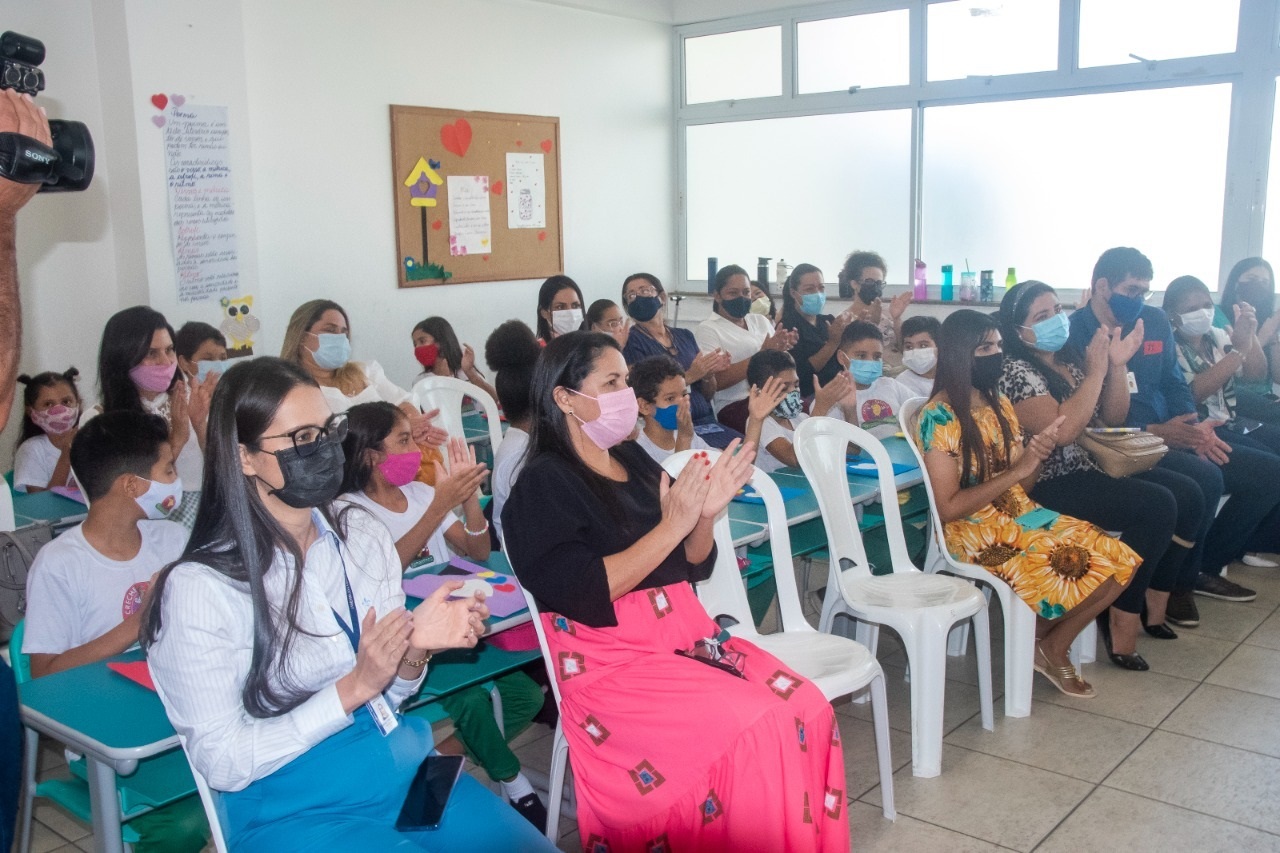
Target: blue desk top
{"type": "Point", "coordinates": [46, 506]}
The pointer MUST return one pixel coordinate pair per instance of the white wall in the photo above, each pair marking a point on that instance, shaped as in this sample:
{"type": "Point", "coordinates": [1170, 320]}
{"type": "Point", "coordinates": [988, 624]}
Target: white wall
{"type": "Point", "coordinates": [308, 86]}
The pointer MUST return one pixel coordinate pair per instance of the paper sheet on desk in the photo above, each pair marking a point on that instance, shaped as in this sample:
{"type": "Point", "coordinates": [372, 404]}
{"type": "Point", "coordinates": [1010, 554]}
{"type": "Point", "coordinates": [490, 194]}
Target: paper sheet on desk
{"type": "Point", "coordinates": [507, 597]}
{"type": "Point", "coordinates": [136, 671]}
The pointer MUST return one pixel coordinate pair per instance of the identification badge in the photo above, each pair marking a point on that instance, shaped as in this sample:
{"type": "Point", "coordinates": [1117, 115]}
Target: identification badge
{"type": "Point", "coordinates": [1132, 381]}
{"type": "Point", "coordinates": [383, 717]}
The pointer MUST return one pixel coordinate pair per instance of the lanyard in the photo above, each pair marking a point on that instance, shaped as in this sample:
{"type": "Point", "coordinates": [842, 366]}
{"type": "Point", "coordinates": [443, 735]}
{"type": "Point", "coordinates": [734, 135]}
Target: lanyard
{"type": "Point", "coordinates": [352, 632]}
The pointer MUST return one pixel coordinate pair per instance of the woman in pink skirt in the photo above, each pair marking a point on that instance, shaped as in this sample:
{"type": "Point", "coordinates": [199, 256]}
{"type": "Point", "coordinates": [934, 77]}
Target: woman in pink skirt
{"type": "Point", "coordinates": [668, 752]}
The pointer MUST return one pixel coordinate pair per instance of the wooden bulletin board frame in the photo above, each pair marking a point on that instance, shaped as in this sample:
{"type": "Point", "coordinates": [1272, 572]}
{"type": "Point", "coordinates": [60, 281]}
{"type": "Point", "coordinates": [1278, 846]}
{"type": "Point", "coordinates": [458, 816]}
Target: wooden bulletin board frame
{"type": "Point", "coordinates": [428, 145]}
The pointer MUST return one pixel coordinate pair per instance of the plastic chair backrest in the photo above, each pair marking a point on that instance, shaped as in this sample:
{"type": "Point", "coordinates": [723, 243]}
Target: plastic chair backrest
{"type": "Point", "coordinates": [822, 447]}
{"type": "Point", "coordinates": [909, 420]}
{"type": "Point", "coordinates": [724, 592]}
{"type": "Point", "coordinates": [446, 393]}
{"type": "Point", "coordinates": [8, 521]}
{"type": "Point", "coordinates": [21, 663]}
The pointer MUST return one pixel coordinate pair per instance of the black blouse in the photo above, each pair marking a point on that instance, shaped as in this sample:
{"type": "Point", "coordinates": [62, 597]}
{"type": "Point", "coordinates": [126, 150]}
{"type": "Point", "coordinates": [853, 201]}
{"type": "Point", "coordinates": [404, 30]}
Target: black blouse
{"type": "Point", "coordinates": [811, 339]}
{"type": "Point", "coordinates": [558, 533]}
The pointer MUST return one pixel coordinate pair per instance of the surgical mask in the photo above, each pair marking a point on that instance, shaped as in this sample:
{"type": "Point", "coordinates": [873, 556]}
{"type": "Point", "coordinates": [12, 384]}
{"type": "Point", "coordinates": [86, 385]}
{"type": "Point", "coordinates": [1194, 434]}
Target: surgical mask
{"type": "Point", "coordinates": [204, 368]}
{"type": "Point", "coordinates": [312, 480]}
{"type": "Point", "coordinates": [866, 372]}
{"type": "Point", "coordinates": [1125, 308]}
{"type": "Point", "coordinates": [869, 293]}
{"type": "Point", "coordinates": [617, 418]}
{"type": "Point", "coordinates": [401, 468]}
{"type": "Point", "coordinates": [790, 406]}
{"type": "Point", "coordinates": [920, 361]}
{"type": "Point", "coordinates": [1197, 322]}
{"type": "Point", "coordinates": [666, 416]}
{"type": "Point", "coordinates": [160, 499]}
{"type": "Point", "coordinates": [737, 307]}
{"type": "Point", "coordinates": [153, 377]}
{"type": "Point", "coordinates": [812, 303]}
{"type": "Point", "coordinates": [1051, 333]}
{"type": "Point", "coordinates": [644, 308]}
{"type": "Point", "coordinates": [564, 322]}
{"type": "Point", "coordinates": [987, 370]}
{"type": "Point", "coordinates": [427, 355]}
{"type": "Point", "coordinates": [55, 420]}
{"type": "Point", "coordinates": [334, 351]}
{"type": "Point", "coordinates": [761, 306]}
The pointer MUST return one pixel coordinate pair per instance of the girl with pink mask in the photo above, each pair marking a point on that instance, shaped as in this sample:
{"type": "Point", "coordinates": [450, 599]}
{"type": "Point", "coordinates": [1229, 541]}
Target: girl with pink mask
{"type": "Point", "coordinates": [51, 415]}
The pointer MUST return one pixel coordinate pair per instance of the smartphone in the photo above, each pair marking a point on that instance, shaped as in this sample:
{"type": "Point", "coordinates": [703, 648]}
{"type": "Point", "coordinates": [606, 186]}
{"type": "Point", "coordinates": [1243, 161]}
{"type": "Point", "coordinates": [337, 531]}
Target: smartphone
{"type": "Point", "coordinates": [429, 793]}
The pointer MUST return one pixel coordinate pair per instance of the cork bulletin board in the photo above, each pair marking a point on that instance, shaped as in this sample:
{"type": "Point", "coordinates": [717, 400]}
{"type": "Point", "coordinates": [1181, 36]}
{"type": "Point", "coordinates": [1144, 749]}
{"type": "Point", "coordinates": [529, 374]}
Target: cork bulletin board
{"type": "Point", "coordinates": [477, 196]}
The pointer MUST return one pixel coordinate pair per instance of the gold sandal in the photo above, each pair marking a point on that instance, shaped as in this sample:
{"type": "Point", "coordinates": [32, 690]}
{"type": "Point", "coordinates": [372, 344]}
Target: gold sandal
{"type": "Point", "coordinates": [1059, 675]}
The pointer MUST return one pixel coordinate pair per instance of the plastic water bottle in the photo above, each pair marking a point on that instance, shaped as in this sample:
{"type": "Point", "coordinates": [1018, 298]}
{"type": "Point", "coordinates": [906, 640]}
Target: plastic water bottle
{"type": "Point", "coordinates": [948, 286]}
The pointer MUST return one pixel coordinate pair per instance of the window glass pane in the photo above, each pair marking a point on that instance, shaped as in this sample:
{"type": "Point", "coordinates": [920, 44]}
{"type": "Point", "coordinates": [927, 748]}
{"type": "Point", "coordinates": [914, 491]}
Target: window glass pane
{"type": "Point", "coordinates": [1271, 226]}
{"type": "Point", "coordinates": [985, 38]}
{"type": "Point", "coordinates": [1047, 185]}
{"type": "Point", "coordinates": [1110, 30]}
{"type": "Point", "coordinates": [808, 190]}
{"type": "Point", "coordinates": [731, 66]}
{"type": "Point", "coordinates": [862, 50]}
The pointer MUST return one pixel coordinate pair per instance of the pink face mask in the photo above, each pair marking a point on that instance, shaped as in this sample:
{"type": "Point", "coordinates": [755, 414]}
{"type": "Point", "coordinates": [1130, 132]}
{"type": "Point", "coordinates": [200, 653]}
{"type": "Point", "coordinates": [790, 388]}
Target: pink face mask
{"type": "Point", "coordinates": [618, 413]}
{"type": "Point", "coordinates": [153, 377]}
{"type": "Point", "coordinates": [56, 420]}
{"type": "Point", "coordinates": [401, 468]}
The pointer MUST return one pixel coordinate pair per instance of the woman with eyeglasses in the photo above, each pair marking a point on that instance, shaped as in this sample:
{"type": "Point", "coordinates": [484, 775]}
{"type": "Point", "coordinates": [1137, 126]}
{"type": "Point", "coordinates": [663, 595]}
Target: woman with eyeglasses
{"type": "Point", "coordinates": [863, 278]}
{"type": "Point", "coordinates": [981, 465]}
{"type": "Point", "coordinates": [679, 736]}
{"type": "Point", "coordinates": [281, 647]}
{"type": "Point", "coordinates": [645, 301]}
{"type": "Point", "coordinates": [1157, 512]}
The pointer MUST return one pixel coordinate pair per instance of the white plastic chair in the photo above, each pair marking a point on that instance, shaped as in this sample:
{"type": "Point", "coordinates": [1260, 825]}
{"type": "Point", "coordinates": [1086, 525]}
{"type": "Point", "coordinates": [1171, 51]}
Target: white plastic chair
{"type": "Point", "coordinates": [837, 666]}
{"type": "Point", "coordinates": [921, 608]}
{"type": "Point", "coordinates": [1019, 619]}
{"type": "Point", "coordinates": [446, 393]}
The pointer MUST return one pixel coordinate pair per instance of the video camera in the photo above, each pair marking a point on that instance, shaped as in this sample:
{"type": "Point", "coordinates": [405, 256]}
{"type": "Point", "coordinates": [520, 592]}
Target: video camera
{"type": "Point", "coordinates": [64, 166]}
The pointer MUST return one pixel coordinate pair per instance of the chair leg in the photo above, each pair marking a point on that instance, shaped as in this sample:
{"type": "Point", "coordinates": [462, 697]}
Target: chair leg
{"type": "Point", "coordinates": [1019, 657]}
{"type": "Point", "coordinates": [880, 713]}
{"type": "Point", "coordinates": [30, 752]}
{"type": "Point", "coordinates": [982, 645]}
{"type": "Point", "coordinates": [927, 654]}
{"type": "Point", "coordinates": [555, 791]}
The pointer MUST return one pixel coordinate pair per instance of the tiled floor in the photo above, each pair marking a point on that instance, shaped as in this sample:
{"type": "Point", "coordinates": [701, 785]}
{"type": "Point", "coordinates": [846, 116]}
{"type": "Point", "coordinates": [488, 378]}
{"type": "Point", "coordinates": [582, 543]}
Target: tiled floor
{"type": "Point", "coordinates": [1185, 757]}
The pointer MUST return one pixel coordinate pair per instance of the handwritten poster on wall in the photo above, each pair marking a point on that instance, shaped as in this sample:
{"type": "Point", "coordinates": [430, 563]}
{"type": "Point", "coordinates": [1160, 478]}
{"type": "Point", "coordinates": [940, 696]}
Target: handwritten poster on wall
{"type": "Point", "coordinates": [470, 231]}
{"type": "Point", "coordinates": [526, 191]}
{"type": "Point", "coordinates": [202, 212]}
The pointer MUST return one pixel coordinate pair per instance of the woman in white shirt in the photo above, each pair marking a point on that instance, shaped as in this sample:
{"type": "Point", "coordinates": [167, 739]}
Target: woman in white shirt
{"type": "Point", "coordinates": [733, 328]}
{"type": "Point", "coordinates": [273, 675]}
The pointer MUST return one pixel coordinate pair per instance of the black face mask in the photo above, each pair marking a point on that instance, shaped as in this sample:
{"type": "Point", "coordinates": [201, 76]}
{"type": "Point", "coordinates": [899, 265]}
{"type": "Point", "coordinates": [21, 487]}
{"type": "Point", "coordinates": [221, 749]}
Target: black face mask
{"type": "Point", "coordinates": [987, 370]}
{"type": "Point", "coordinates": [643, 308]}
{"type": "Point", "coordinates": [869, 293]}
{"type": "Point", "coordinates": [312, 480]}
{"type": "Point", "coordinates": [737, 308]}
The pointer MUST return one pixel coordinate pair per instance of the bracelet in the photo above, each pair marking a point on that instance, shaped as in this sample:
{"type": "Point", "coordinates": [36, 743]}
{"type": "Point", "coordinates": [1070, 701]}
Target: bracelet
{"type": "Point", "coordinates": [482, 531]}
{"type": "Point", "coordinates": [417, 664]}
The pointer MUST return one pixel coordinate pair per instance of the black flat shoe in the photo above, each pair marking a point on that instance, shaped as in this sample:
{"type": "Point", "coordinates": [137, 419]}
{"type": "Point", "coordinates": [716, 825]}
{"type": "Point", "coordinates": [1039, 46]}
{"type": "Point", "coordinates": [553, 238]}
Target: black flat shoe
{"type": "Point", "coordinates": [1160, 632]}
{"type": "Point", "coordinates": [1132, 662]}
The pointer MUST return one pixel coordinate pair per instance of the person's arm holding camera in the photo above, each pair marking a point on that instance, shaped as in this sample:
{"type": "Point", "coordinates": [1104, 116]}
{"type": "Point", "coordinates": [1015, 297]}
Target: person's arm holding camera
{"type": "Point", "coordinates": [18, 114]}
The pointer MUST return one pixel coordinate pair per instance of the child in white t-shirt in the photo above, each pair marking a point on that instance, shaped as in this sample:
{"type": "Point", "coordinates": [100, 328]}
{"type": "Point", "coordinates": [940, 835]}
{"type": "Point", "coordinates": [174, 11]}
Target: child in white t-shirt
{"type": "Point", "coordinates": [51, 413]}
{"type": "Point", "coordinates": [919, 354]}
{"type": "Point", "coordinates": [873, 400]}
{"type": "Point", "coordinates": [778, 429]}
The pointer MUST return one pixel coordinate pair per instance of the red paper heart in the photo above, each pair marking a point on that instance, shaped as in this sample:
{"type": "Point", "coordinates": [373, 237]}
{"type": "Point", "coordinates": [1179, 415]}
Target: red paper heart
{"type": "Point", "coordinates": [437, 225]}
{"type": "Point", "coordinates": [496, 187]}
{"type": "Point", "coordinates": [160, 101]}
{"type": "Point", "coordinates": [456, 137]}
{"type": "Point", "coordinates": [546, 145]}
{"type": "Point", "coordinates": [542, 235]}
{"type": "Point", "coordinates": [504, 587]}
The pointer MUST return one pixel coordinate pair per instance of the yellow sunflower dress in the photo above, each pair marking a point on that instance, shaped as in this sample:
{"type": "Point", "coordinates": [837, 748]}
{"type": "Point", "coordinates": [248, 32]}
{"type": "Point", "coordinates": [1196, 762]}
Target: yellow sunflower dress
{"type": "Point", "coordinates": [1052, 568]}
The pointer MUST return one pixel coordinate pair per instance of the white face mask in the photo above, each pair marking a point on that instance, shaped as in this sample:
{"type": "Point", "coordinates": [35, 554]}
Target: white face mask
{"type": "Point", "coordinates": [564, 322]}
{"type": "Point", "coordinates": [920, 361]}
{"type": "Point", "coordinates": [1197, 322]}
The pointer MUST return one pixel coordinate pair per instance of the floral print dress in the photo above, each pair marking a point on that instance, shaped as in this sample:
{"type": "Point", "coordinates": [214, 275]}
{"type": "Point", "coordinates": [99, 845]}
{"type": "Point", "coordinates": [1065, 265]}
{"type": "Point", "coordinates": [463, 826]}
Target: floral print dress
{"type": "Point", "coordinates": [1052, 568]}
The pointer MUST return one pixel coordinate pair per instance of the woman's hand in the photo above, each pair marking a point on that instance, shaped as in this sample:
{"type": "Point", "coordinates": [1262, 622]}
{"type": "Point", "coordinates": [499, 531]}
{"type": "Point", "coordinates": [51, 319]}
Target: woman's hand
{"type": "Point", "coordinates": [425, 432]}
{"type": "Point", "coordinates": [1038, 449]}
{"type": "Point", "coordinates": [383, 643]}
{"type": "Point", "coordinates": [727, 476]}
{"type": "Point", "coordinates": [682, 500]}
{"type": "Point", "coordinates": [455, 486]}
{"type": "Point", "coordinates": [1123, 348]}
{"type": "Point", "coordinates": [440, 622]}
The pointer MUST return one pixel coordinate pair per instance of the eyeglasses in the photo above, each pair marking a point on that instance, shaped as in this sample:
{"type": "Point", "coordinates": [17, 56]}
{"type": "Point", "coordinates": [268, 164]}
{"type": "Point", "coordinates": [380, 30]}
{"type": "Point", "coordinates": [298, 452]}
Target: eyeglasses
{"type": "Point", "coordinates": [641, 291]}
{"type": "Point", "coordinates": [308, 439]}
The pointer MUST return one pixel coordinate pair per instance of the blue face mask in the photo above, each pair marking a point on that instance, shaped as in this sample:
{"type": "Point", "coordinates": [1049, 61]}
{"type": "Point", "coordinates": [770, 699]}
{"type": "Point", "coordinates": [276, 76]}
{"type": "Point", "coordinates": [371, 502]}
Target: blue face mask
{"type": "Point", "coordinates": [666, 416]}
{"type": "Point", "coordinates": [334, 351]}
{"type": "Point", "coordinates": [1051, 333]}
{"type": "Point", "coordinates": [813, 303]}
{"type": "Point", "coordinates": [866, 372]}
{"type": "Point", "coordinates": [204, 368]}
{"type": "Point", "coordinates": [1125, 308]}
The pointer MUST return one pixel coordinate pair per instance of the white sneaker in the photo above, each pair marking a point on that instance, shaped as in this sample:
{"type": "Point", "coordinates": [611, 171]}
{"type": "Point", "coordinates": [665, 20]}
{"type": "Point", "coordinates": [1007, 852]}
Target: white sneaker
{"type": "Point", "coordinates": [1259, 562]}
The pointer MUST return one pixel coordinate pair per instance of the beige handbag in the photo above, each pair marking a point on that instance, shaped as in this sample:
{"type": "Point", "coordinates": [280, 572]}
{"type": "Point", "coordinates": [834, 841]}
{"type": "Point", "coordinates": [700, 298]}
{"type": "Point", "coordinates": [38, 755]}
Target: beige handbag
{"type": "Point", "coordinates": [1120, 454]}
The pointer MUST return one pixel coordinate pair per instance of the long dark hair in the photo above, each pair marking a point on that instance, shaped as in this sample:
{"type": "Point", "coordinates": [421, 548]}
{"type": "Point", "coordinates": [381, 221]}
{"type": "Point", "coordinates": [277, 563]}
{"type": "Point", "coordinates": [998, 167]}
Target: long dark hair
{"type": "Point", "coordinates": [566, 362]}
{"type": "Point", "coordinates": [446, 340]}
{"type": "Point", "coordinates": [1231, 290]}
{"type": "Point", "coordinates": [126, 339]}
{"type": "Point", "coordinates": [33, 385]}
{"type": "Point", "coordinates": [547, 293]}
{"type": "Point", "coordinates": [238, 537]}
{"type": "Point", "coordinates": [962, 332]}
{"type": "Point", "coordinates": [792, 316]}
{"type": "Point", "coordinates": [368, 426]}
{"type": "Point", "coordinates": [1014, 309]}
